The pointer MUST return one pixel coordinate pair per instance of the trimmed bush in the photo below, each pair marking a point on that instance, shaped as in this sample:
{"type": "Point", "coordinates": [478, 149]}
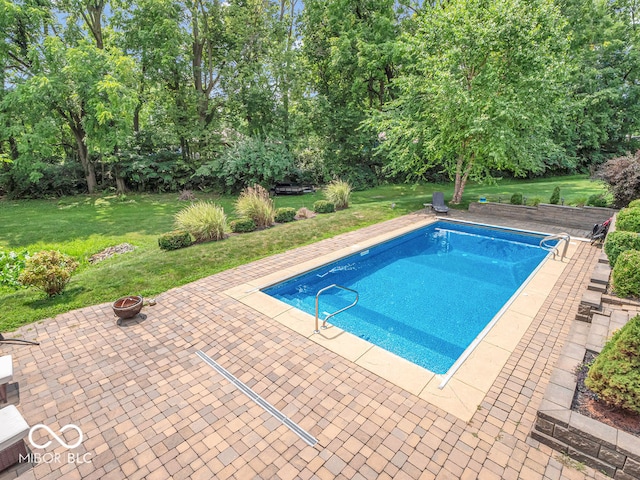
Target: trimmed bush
{"type": "Point", "coordinates": [516, 199]}
{"type": "Point", "coordinates": [618, 242]}
{"type": "Point", "coordinates": [615, 373]}
{"type": "Point", "coordinates": [49, 271]}
{"type": "Point", "coordinates": [203, 220]}
{"type": "Point", "coordinates": [174, 240]}
{"type": "Point", "coordinates": [625, 277]}
{"type": "Point", "coordinates": [285, 214]}
{"type": "Point", "coordinates": [598, 200]}
{"type": "Point", "coordinates": [338, 193]}
{"type": "Point", "coordinates": [628, 220]}
{"type": "Point", "coordinates": [323, 206]}
{"type": "Point", "coordinates": [634, 203]}
{"type": "Point", "coordinates": [242, 225]}
{"type": "Point", "coordinates": [255, 203]}
{"type": "Point", "coordinates": [555, 196]}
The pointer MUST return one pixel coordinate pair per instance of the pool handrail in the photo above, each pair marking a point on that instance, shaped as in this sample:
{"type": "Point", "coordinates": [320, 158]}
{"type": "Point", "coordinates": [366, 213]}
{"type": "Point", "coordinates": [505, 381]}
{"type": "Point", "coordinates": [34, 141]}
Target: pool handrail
{"type": "Point", "coordinates": [324, 323]}
{"type": "Point", "coordinates": [561, 237]}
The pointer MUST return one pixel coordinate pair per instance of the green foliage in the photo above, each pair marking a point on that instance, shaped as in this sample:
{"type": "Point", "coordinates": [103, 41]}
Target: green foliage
{"type": "Point", "coordinates": [598, 200]}
{"type": "Point", "coordinates": [516, 199]}
{"type": "Point", "coordinates": [174, 240]}
{"type": "Point", "coordinates": [634, 203]}
{"type": "Point", "coordinates": [242, 225]}
{"type": "Point", "coordinates": [323, 206]}
{"type": "Point", "coordinates": [338, 193]}
{"type": "Point", "coordinates": [535, 201]}
{"type": "Point", "coordinates": [203, 220]}
{"type": "Point", "coordinates": [285, 214]}
{"type": "Point", "coordinates": [251, 161]}
{"type": "Point", "coordinates": [255, 203]}
{"type": "Point", "coordinates": [465, 101]}
{"type": "Point", "coordinates": [555, 196]}
{"type": "Point", "coordinates": [11, 265]}
{"type": "Point", "coordinates": [618, 242]}
{"type": "Point", "coordinates": [625, 276]}
{"type": "Point", "coordinates": [49, 271]}
{"type": "Point", "coordinates": [628, 219]}
{"type": "Point", "coordinates": [615, 373]}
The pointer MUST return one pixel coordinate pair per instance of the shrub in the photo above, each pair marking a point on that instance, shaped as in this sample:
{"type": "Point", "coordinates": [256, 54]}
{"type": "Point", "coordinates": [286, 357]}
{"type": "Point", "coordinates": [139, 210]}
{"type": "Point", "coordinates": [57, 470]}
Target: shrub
{"type": "Point", "coordinates": [615, 373]}
{"type": "Point", "coordinates": [634, 203]}
{"type": "Point", "coordinates": [555, 196]}
{"type": "Point", "coordinates": [255, 203]}
{"type": "Point", "coordinates": [622, 175]}
{"type": "Point", "coordinates": [242, 225]}
{"type": "Point", "coordinates": [618, 242]}
{"type": "Point", "coordinates": [174, 240]}
{"type": "Point", "coordinates": [11, 265]}
{"type": "Point", "coordinates": [285, 214]}
{"type": "Point", "coordinates": [323, 206]}
{"type": "Point", "coordinates": [187, 196]}
{"type": "Point", "coordinates": [628, 220]}
{"type": "Point", "coordinates": [625, 277]}
{"type": "Point", "coordinates": [516, 199]}
{"type": "Point", "coordinates": [203, 220]}
{"type": "Point", "coordinates": [598, 200]}
{"type": "Point", "coordinates": [535, 201]}
{"type": "Point", "coordinates": [338, 193]}
{"type": "Point", "coordinates": [49, 271]}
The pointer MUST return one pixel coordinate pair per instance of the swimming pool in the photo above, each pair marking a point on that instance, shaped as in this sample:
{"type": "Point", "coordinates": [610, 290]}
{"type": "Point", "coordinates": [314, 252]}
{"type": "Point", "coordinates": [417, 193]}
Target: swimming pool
{"type": "Point", "coordinates": [425, 295]}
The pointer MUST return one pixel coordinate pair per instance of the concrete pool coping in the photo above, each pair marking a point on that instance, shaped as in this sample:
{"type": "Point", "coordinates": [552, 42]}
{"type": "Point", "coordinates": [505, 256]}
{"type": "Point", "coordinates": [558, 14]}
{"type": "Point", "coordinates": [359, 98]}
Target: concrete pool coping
{"type": "Point", "coordinates": [467, 387]}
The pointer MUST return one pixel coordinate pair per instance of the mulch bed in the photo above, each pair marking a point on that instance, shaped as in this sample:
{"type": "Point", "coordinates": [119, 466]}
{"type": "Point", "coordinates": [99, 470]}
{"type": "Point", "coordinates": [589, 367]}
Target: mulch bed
{"type": "Point", "coordinates": [586, 402]}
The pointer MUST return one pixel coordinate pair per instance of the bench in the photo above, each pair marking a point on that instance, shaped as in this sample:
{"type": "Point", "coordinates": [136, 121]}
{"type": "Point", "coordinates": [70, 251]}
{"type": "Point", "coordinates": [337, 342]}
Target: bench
{"type": "Point", "coordinates": [14, 429]}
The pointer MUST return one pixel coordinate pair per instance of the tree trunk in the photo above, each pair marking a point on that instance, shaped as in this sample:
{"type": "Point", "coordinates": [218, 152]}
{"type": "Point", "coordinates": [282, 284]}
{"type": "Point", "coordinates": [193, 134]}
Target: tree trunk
{"type": "Point", "coordinates": [87, 164]}
{"type": "Point", "coordinates": [462, 175]}
{"type": "Point", "coordinates": [120, 185]}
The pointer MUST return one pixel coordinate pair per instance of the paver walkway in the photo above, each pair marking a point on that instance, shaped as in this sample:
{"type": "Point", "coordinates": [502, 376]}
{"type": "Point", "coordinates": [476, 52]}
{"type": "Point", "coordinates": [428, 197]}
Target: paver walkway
{"type": "Point", "coordinates": [150, 408]}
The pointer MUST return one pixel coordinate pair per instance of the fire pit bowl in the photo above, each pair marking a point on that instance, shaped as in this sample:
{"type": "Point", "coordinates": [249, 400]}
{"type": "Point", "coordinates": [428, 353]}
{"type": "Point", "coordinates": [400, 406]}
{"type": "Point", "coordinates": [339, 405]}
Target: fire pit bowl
{"type": "Point", "coordinates": [127, 307]}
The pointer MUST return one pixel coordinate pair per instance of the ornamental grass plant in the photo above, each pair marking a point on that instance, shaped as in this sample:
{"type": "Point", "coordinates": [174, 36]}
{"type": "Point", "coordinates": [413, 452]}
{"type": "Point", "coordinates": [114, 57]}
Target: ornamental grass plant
{"type": "Point", "coordinates": [203, 220]}
{"type": "Point", "coordinates": [338, 192]}
{"type": "Point", "coordinates": [255, 203]}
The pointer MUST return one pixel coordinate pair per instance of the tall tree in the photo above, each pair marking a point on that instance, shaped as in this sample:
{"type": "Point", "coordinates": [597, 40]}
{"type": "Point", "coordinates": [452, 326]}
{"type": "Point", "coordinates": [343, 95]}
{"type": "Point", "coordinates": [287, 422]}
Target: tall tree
{"type": "Point", "coordinates": [480, 90]}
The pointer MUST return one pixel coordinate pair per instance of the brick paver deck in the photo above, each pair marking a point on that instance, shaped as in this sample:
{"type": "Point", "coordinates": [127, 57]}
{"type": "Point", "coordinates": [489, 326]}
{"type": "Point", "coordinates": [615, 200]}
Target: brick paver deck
{"type": "Point", "coordinates": [150, 408]}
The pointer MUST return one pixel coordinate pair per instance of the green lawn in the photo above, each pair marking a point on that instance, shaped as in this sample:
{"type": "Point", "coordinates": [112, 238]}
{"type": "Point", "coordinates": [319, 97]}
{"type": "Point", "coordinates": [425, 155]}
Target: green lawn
{"type": "Point", "coordinates": [84, 225]}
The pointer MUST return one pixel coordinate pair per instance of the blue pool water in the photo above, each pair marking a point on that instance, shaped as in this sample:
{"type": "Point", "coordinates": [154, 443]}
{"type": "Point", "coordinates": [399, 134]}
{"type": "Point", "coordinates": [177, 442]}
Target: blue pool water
{"type": "Point", "coordinates": [426, 295]}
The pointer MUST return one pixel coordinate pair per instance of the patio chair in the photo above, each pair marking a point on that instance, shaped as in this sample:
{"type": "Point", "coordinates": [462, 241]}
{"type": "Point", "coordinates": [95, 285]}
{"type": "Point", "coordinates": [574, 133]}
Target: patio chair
{"type": "Point", "coordinates": [14, 429]}
{"type": "Point", "coordinates": [437, 203]}
{"type": "Point", "coordinates": [6, 375]}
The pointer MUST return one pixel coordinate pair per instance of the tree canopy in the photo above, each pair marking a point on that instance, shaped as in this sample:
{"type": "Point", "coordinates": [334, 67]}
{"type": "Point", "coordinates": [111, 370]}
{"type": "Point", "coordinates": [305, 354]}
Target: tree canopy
{"type": "Point", "coordinates": [167, 94]}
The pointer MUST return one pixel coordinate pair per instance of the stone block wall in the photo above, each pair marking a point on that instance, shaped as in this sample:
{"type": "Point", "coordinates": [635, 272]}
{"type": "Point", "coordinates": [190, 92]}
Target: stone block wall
{"type": "Point", "coordinates": [573, 217]}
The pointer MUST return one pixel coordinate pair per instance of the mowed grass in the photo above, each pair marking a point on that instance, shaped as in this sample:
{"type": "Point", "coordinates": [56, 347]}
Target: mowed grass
{"type": "Point", "coordinates": [84, 225]}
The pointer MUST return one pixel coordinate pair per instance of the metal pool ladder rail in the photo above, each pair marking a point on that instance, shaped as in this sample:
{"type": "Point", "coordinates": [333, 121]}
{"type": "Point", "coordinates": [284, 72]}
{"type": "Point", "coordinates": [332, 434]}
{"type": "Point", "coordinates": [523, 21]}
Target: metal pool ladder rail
{"type": "Point", "coordinates": [324, 323]}
{"type": "Point", "coordinates": [561, 237]}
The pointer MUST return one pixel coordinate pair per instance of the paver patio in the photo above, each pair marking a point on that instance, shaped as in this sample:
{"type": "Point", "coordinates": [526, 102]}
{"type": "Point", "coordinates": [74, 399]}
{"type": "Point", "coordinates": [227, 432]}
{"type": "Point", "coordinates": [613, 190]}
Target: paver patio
{"type": "Point", "coordinates": [150, 408]}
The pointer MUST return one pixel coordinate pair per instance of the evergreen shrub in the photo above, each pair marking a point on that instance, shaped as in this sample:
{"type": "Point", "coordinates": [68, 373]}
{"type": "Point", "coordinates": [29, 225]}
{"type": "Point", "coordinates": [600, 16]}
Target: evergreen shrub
{"type": "Point", "coordinates": [625, 277]}
{"type": "Point", "coordinates": [618, 242]}
{"type": "Point", "coordinates": [615, 373]}
{"type": "Point", "coordinates": [285, 214]}
{"type": "Point", "coordinates": [323, 206]}
{"type": "Point", "coordinates": [174, 240]}
{"type": "Point", "coordinates": [242, 225]}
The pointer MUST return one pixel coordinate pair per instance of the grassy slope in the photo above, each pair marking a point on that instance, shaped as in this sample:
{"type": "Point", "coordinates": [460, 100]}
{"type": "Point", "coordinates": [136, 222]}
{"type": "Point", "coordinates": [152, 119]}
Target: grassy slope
{"type": "Point", "coordinates": [84, 225]}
